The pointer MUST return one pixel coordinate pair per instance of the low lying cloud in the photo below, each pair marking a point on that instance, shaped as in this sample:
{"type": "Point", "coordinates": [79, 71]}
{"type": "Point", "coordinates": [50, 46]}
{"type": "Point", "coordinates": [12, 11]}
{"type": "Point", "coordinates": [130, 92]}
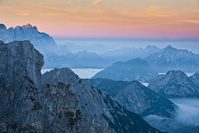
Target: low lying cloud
{"type": "Point", "coordinates": [188, 112]}
{"type": "Point", "coordinates": [186, 116]}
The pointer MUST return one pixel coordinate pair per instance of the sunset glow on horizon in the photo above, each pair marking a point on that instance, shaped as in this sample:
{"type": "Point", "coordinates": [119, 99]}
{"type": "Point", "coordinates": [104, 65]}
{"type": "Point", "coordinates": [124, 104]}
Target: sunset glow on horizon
{"type": "Point", "coordinates": [152, 19]}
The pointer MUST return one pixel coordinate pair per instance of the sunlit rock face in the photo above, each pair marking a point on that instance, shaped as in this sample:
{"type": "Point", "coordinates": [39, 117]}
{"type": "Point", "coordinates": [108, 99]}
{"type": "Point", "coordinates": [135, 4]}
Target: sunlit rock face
{"type": "Point", "coordinates": [63, 103]}
{"type": "Point", "coordinates": [41, 41]}
{"type": "Point", "coordinates": [25, 32]}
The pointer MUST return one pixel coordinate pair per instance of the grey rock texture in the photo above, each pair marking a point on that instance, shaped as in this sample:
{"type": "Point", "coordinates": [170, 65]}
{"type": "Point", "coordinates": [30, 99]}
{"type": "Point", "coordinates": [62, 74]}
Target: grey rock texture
{"type": "Point", "coordinates": [140, 99]}
{"type": "Point", "coordinates": [94, 103]}
{"type": "Point", "coordinates": [20, 59]}
{"type": "Point", "coordinates": [64, 103]}
{"type": "Point", "coordinates": [135, 69]}
{"type": "Point", "coordinates": [174, 84]}
{"type": "Point", "coordinates": [20, 78]}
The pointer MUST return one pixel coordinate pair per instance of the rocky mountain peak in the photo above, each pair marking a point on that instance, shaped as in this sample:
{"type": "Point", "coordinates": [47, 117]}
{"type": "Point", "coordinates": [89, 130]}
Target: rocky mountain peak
{"type": "Point", "coordinates": [94, 104]}
{"type": "Point", "coordinates": [27, 26]}
{"type": "Point", "coordinates": [2, 27]}
{"type": "Point", "coordinates": [42, 41]}
{"type": "Point", "coordinates": [151, 47]}
{"type": "Point", "coordinates": [17, 27]}
{"type": "Point", "coordinates": [135, 69]}
{"type": "Point", "coordinates": [169, 48]}
{"type": "Point", "coordinates": [64, 102]}
{"type": "Point", "coordinates": [174, 84]}
{"type": "Point", "coordinates": [140, 99]}
{"type": "Point", "coordinates": [170, 58]}
{"type": "Point", "coordinates": [23, 61]}
{"type": "Point", "coordinates": [176, 74]}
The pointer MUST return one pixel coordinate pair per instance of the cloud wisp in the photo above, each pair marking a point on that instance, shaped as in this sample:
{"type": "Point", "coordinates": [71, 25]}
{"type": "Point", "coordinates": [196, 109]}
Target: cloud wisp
{"type": "Point", "coordinates": [96, 3]}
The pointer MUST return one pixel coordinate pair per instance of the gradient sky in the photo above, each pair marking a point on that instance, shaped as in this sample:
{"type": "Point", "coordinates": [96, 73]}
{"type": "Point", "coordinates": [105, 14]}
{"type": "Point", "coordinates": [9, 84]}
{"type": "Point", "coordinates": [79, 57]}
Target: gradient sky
{"type": "Point", "coordinates": [153, 19]}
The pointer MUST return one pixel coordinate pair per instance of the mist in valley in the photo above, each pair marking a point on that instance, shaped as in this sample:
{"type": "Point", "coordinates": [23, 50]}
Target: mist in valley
{"type": "Point", "coordinates": [188, 111]}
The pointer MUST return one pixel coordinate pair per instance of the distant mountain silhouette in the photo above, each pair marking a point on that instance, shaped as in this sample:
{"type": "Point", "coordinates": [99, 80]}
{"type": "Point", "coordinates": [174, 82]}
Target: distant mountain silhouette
{"type": "Point", "coordinates": [171, 58]}
{"type": "Point", "coordinates": [135, 69]}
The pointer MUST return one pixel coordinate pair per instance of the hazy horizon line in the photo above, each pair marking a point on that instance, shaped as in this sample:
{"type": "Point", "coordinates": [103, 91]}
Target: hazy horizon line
{"type": "Point", "coordinates": [126, 39]}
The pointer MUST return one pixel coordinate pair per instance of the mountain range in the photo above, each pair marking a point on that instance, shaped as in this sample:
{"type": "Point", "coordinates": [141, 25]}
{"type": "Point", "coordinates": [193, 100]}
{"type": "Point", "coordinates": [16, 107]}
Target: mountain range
{"type": "Point", "coordinates": [55, 55]}
{"type": "Point", "coordinates": [136, 97]}
{"type": "Point", "coordinates": [135, 69]}
{"type": "Point", "coordinates": [128, 53]}
{"type": "Point", "coordinates": [58, 101]}
{"type": "Point", "coordinates": [162, 60]}
{"type": "Point", "coordinates": [175, 84]}
{"type": "Point", "coordinates": [82, 59]}
{"type": "Point", "coordinates": [170, 58]}
{"type": "Point", "coordinates": [41, 40]}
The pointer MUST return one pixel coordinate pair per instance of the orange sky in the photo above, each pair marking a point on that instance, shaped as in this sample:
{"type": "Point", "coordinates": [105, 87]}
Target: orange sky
{"type": "Point", "coordinates": [167, 19]}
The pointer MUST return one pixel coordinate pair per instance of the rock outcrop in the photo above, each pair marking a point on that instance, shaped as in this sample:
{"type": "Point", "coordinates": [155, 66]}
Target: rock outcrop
{"type": "Point", "coordinates": [19, 59]}
{"type": "Point", "coordinates": [64, 103]}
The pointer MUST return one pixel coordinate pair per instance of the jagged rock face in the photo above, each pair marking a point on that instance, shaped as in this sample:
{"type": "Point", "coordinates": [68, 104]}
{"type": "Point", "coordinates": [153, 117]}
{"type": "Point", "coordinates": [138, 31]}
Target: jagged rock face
{"type": "Point", "coordinates": [20, 78]}
{"type": "Point", "coordinates": [140, 99]}
{"type": "Point", "coordinates": [25, 32]}
{"type": "Point", "coordinates": [94, 103]}
{"type": "Point", "coordinates": [195, 78]}
{"type": "Point", "coordinates": [136, 69]}
{"type": "Point", "coordinates": [41, 41]}
{"type": "Point", "coordinates": [64, 103]}
{"type": "Point", "coordinates": [84, 91]}
{"type": "Point", "coordinates": [171, 58]}
{"type": "Point", "coordinates": [18, 60]}
{"type": "Point", "coordinates": [174, 84]}
{"type": "Point", "coordinates": [63, 111]}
